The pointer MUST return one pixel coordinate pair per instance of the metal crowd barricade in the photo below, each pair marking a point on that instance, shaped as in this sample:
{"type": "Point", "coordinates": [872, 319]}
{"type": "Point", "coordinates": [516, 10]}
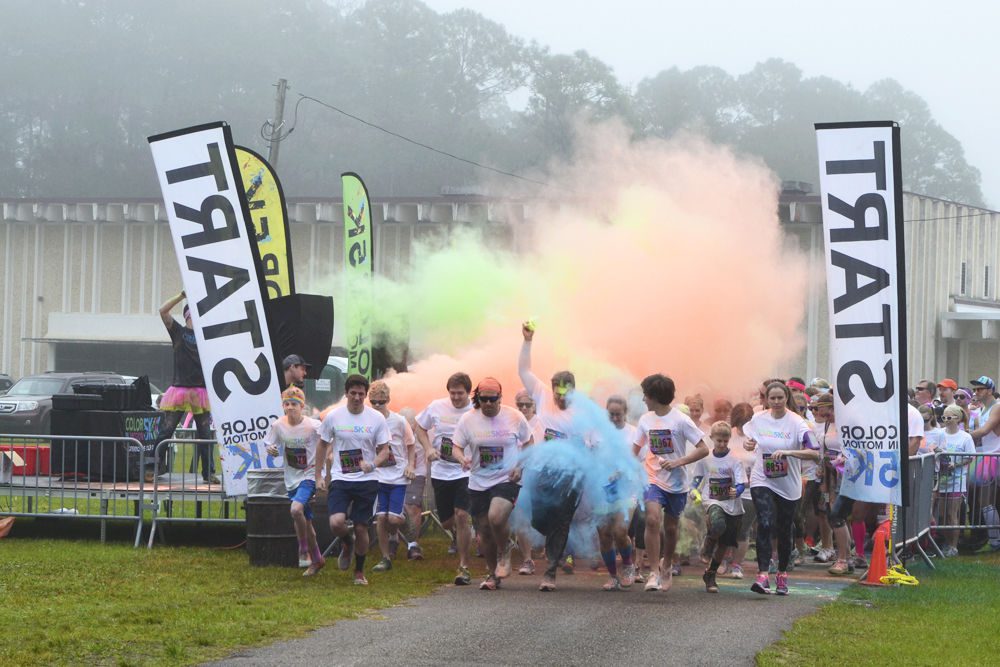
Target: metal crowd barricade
{"type": "Point", "coordinates": [73, 477]}
{"type": "Point", "coordinates": [913, 526]}
{"type": "Point", "coordinates": [178, 496]}
{"type": "Point", "coordinates": [966, 498]}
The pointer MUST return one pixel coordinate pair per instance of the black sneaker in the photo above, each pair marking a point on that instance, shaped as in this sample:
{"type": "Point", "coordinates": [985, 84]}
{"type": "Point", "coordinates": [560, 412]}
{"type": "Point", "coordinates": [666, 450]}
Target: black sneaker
{"type": "Point", "coordinates": [709, 579]}
{"type": "Point", "coordinates": [415, 553]}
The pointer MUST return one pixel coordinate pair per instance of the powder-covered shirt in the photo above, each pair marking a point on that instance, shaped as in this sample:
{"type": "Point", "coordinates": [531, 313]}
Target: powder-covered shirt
{"type": "Point", "coordinates": [669, 437]}
{"type": "Point", "coordinates": [491, 445]}
{"type": "Point", "coordinates": [296, 447]}
{"type": "Point", "coordinates": [784, 475]}
{"type": "Point", "coordinates": [747, 459]}
{"type": "Point", "coordinates": [439, 419]}
{"type": "Point", "coordinates": [400, 440]}
{"type": "Point", "coordinates": [353, 439]}
{"type": "Point", "coordinates": [719, 474]}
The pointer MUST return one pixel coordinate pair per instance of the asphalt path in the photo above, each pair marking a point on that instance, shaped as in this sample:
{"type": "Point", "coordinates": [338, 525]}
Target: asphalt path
{"type": "Point", "coordinates": [575, 625]}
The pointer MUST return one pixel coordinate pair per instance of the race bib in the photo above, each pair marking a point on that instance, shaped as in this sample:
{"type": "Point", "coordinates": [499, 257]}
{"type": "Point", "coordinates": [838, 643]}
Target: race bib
{"type": "Point", "coordinates": [718, 488]}
{"type": "Point", "coordinates": [490, 457]}
{"type": "Point", "coordinates": [446, 450]}
{"type": "Point", "coordinates": [611, 491]}
{"type": "Point", "coordinates": [296, 458]}
{"type": "Point", "coordinates": [552, 434]}
{"type": "Point", "coordinates": [775, 468]}
{"type": "Point", "coordinates": [661, 442]}
{"type": "Point", "coordinates": [350, 461]}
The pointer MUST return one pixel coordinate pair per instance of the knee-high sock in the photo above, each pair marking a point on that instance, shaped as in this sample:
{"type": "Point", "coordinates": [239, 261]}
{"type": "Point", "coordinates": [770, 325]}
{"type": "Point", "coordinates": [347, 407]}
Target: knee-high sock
{"type": "Point", "coordinates": [858, 532]}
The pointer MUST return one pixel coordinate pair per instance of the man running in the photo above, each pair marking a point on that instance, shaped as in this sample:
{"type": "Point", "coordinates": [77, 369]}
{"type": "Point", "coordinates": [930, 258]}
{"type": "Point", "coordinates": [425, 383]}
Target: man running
{"type": "Point", "coordinates": [487, 444]}
{"type": "Point", "coordinates": [449, 480]}
{"type": "Point", "coordinates": [354, 432]}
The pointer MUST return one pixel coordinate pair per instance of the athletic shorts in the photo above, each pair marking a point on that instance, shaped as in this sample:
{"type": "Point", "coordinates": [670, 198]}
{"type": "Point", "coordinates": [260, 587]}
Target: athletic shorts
{"type": "Point", "coordinates": [672, 503]}
{"type": "Point", "coordinates": [722, 526]}
{"type": "Point", "coordinates": [479, 501]}
{"type": "Point", "coordinates": [415, 492]}
{"type": "Point", "coordinates": [358, 497]}
{"type": "Point", "coordinates": [450, 495]}
{"type": "Point", "coordinates": [303, 493]}
{"type": "Point", "coordinates": [390, 499]}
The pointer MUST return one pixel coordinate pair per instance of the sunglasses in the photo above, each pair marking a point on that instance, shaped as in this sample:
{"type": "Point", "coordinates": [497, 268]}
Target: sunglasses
{"type": "Point", "coordinates": [525, 405]}
{"type": "Point", "coordinates": [378, 403]}
{"type": "Point", "coordinates": [950, 418]}
{"type": "Point", "coordinates": [489, 399]}
{"type": "Point", "coordinates": [962, 397]}
{"type": "Point", "coordinates": [923, 388]}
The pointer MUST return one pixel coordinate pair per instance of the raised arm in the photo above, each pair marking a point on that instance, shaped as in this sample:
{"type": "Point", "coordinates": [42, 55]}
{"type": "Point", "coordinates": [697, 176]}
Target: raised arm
{"type": "Point", "coordinates": [529, 379]}
{"type": "Point", "coordinates": [167, 306]}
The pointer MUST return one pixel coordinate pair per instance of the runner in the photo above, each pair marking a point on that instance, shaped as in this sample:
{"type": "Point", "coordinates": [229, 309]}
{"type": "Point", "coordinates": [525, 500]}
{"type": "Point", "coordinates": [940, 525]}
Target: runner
{"type": "Point", "coordinates": [739, 417]}
{"type": "Point", "coordinates": [553, 510]}
{"type": "Point", "coordinates": [450, 482]}
{"type": "Point", "coordinates": [726, 482]}
{"type": "Point", "coordinates": [488, 441]}
{"type": "Point", "coordinates": [354, 432]}
{"type": "Point", "coordinates": [613, 531]}
{"type": "Point", "coordinates": [526, 404]}
{"type": "Point", "coordinates": [674, 442]}
{"type": "Point", "coordinates": [294, 439]}
{"type": "Point", "coordinates": [817, 490]}
{"type": "Point", "coordinates": [414, 503]}
{"type": "Point", "coordinates": [394, 469]}
{"type": "Point", "coordinates": [781, 439]}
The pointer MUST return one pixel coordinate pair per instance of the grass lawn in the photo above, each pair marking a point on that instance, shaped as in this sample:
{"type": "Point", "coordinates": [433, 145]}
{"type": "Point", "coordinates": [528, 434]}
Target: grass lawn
{"type": "Point", "coordinates": [87, 603]}
{"type": "Point", "coordinates": [951, 618]}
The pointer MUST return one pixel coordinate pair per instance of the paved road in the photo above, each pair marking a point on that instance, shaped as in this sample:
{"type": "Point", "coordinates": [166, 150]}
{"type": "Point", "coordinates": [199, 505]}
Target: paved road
{"type": "Point", "coordinates": [578, 624]}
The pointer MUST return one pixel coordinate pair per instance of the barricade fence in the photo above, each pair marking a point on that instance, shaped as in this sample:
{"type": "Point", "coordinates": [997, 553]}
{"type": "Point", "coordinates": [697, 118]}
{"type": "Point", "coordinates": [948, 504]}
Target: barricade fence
{"type": "Point", "coordinates": [113, 479]}
{"type": "Point", "coordinates": [965, 500]}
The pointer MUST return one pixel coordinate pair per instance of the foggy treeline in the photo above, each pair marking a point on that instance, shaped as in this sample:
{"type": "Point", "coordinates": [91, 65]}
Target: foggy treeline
{"type": "Point", "coordinates": [86, 81]}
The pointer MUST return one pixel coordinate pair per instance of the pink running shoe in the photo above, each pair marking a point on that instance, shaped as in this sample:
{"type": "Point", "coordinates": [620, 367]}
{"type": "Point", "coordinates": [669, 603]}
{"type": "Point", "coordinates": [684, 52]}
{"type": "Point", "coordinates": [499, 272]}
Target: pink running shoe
{"type": "Point", "coordinates": [762, 585]}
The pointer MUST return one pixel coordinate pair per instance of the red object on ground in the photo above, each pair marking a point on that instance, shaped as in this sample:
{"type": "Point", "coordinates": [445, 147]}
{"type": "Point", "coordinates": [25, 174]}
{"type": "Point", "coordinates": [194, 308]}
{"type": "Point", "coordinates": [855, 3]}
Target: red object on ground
{"type": "Point", "coordinates": [36, 459]}
{"type": "Point", "coordinates": [879, 564]}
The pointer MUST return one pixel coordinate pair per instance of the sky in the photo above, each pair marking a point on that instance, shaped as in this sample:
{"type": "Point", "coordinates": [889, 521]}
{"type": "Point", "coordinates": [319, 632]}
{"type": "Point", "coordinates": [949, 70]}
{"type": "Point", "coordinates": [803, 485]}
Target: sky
{"type": "Point", "coordinates": [941, 51]}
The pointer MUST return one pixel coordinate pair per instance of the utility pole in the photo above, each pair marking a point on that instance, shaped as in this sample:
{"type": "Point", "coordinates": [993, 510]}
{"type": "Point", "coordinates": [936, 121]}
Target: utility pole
{"type": "Point", "coordinates": [277, 123]}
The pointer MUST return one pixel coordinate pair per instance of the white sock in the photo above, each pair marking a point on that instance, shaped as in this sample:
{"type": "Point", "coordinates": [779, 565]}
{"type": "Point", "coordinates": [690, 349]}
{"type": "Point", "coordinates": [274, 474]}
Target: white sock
{"type": "Point", "coordinates": [410, 545]}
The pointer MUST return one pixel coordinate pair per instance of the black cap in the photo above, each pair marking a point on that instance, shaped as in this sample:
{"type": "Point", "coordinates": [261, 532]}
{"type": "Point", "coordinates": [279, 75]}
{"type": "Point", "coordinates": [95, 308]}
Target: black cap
{"type": "Point", "coordinates": [295, 360]}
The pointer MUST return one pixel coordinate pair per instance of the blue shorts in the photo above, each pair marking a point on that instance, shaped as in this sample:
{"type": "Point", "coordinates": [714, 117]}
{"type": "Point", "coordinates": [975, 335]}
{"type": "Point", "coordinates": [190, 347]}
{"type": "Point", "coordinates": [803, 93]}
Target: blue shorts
{"type": "Point", "coordinates": [390, 499]}
{"type": "Point", "coordinates": [358, 497]}
{"type": "Point", "coordinates": [672, 503]}
{"type": "Point", "coordinates": [303, 493]}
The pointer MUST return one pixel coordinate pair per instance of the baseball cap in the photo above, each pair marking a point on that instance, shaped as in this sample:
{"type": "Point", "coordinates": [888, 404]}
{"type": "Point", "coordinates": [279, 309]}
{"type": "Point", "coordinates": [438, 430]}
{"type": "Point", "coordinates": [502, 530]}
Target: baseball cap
{"type": "Point", "coordinates": [948, 383]}
{"type": "Point", "coordinates": [294, 360]}
{"type": "Point", "coordinates": [984, 381]}
{"type": "Point", "coordinates": [489, 384]}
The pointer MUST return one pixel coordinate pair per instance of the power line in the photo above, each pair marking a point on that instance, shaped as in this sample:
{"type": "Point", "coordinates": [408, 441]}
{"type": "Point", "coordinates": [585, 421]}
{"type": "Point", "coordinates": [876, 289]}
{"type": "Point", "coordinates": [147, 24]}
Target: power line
{"type": "Point", "coordinates": [952, 217]}
{"type": "Point", "coordinates": [275, 135]}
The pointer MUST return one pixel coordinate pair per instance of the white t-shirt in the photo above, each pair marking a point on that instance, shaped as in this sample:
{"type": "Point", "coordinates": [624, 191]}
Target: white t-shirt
{"type": "Point", "coordinates": [782, 476]}
{"type": "Point", "coordinates": [719, 474]}
{"type": "Point", "coordinates": [353, 439]}
{"type": "Point", "coordinates": [491, 445]}
{"type": "Point", "coordinates": [297, 447]}
{"type": "Point", "coordinates": [439, 419]}
{"type": "Point", "coordinates": [956, 479]}
{"type": "Point", "coordinates": [400, 440]}
{"type": "Point", "coordinates": [914, 422]}
{"type": "Point", "coordinates": [669, 438]}
{"type": "Point", "coordinates": [556, 423]}
{"type": "Point", "coordinates": [736, 442]}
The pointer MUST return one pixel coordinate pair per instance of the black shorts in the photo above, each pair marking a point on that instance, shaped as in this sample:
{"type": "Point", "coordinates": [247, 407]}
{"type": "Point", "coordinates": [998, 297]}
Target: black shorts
{"type": "Point", "coordinates": [722, 526]}
{"type": "Point", "coordinates": [450, 495]}
{"type": "Point", "coordinates": [479, 501]}
{"type": "Point", "coordinates": [637, 528]}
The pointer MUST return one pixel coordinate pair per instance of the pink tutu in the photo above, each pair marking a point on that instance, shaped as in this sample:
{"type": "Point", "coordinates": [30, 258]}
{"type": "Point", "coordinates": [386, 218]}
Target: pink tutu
{"type": "Point", "coordinates": [984, 471]}
{"type": "Point", "coordinates": [185, 399]}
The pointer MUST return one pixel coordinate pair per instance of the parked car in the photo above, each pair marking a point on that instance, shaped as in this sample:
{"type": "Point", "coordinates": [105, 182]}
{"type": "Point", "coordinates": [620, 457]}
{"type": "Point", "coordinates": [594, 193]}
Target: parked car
{"type": "Point", "coordinates": [27, 405]}
{"type": "Point", "coordinates": [5, 383]}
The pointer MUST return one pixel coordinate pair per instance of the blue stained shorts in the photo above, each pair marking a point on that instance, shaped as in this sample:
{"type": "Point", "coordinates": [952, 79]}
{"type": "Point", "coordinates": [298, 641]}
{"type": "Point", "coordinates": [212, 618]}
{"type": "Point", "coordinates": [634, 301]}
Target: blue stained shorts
{"type": "Point", "coordinates": [672, 503]}
{"type": "Point", "coordinates": [303, 493]}
{"type": "Point", "coordinates": [390, 499]}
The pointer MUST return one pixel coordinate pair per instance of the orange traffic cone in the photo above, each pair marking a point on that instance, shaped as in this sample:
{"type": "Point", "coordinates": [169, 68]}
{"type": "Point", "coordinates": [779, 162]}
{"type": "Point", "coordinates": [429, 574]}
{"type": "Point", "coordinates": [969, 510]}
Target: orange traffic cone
{"type": "Point", "coordinates": [879, 565]}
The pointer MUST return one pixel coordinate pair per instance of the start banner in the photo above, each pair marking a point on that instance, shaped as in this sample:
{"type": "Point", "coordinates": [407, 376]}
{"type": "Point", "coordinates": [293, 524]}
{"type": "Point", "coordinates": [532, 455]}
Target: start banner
{"type": "Point", "coordinates": [861, 191]}
{"type": "Point", "coordinates": [213, 237]}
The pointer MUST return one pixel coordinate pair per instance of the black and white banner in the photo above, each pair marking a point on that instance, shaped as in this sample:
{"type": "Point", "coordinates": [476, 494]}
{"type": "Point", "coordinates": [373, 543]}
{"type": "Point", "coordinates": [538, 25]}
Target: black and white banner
{"type": "Point", "coordinates": [861, 189]}
{"type": "Point", "coordinates": [210, 225]}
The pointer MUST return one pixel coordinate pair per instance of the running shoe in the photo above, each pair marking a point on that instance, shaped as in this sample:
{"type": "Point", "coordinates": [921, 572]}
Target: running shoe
{"type": "Point", "coordinates": [503, 566]}
{"type": "Point", "coordinates": [839, 569]}
{"type": "Point", "coordinates": [859, 562]}
{"type": "Point", "coordinates": [824, 556]}
{"type": "Point", "coordinates": [613, 584]}
{"type": "Point", "coordinates": [490, 583]}
{"type": "Point", "coordinates": [797, 557]}
{"type": "Point", "coordinates": [415, 553]}
{"type": "Point", "coordinates": [675, 570]}
{"type": "Point", "coordinates": [950, 552]}
{"type": "Point", "coordinates": [304, 560]}
{"type": "Point", "coordinates": [548, 584]}
{"type": "Point", "coordinates": [314, 568]}
{"type": "Point", "coordinates": [640, 578]}
{"type": "Point", "coordinates": [383, 565]}
{"type": "Point", "coordinates": [628, 575]}
{"type": "Point", "coordinates": [527, 567]}
{"type": "Point", "coordinates": [736, 571]}
{"type": "Point", "coordinates": [463, 578]}
{"type": "Point", "coordinates": [781, 583]}
{"type": "Point", "coordinates": [567, 565]}
{"type": "Point", "coordinates": [762, 585]}
{"type": "Point", "coordinates": [346, 551]}
{"type": "Point", "coordinates": [453, 547]}
{"type": "Point", "coordinates": [723, 567]}
{"type": "Point", "coordinates": [653, 583]}
{"type": "Point", "coordinates": [359, 579]}
{"type": "Point", "coordinates": [709, 579]}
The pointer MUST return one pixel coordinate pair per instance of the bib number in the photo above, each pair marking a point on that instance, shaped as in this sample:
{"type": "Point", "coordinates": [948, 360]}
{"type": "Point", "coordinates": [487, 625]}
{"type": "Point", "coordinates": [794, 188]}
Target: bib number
{"type": "Point", "coordinates": [552, 434]}
{"type": "Point", "coordinates": [718, 488]}
{"type": "Point", "coordinates": [775, 468]}
{"type": "Point", "coordinates": [350, 461]}
{"type": "Point", "coordinates": [661, 442]}
{"type": "Point", "coordinates": [296, 458]}
{"type": "Point", "coordinates": [490, 457]}
{"type": "Point", "coordinates": [446, 450]}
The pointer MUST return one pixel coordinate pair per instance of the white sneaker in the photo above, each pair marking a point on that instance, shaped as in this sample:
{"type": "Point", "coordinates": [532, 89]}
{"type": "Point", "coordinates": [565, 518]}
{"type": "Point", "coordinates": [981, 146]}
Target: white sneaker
{"type": "Point", "coordinates": [653, 583]}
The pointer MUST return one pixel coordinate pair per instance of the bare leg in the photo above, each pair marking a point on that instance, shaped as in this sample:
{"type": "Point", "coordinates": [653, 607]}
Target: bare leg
{"type": "Point", "coordinates": [463, 536]}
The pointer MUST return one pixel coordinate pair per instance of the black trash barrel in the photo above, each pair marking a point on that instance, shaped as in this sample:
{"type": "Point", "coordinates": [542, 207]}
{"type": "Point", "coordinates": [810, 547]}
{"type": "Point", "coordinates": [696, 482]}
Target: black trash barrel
{"type": "Point", "coordinates": [270, 532]}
